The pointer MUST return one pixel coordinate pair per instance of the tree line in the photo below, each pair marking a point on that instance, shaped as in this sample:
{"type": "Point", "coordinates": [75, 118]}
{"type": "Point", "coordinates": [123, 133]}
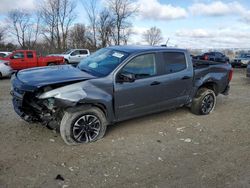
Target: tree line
{"type": "Point", "coordinates": [52, 27]}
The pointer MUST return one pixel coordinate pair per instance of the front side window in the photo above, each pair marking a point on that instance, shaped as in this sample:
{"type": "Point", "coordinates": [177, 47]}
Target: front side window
{"type": "Point", "coordinates": [75, 53]}
{"type": "Point", "coordinates": [174, 62]}
{"type": "Point", "coordinates": [142, 66]}
{"type": "Point", "coordinates": [18, 55]}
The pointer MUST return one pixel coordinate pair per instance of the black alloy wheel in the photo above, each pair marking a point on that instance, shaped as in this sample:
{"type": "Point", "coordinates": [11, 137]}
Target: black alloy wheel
{"type": "Point", "coordinates": [86, 128]}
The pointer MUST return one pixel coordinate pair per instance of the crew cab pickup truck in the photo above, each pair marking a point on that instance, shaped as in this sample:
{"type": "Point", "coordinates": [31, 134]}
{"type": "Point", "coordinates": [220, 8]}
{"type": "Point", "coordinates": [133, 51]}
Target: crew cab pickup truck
{"type": "Point", "coordinates": [73, 56]}
{"type": "Point", "coordinates": [23, 59]}
{"type": "Point", "coordinates": [115, 84]}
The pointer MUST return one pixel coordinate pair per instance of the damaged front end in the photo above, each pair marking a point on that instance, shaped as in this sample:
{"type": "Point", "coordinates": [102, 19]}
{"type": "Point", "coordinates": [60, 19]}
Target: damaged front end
{"type": "Point", "coordinates": [44, 105]}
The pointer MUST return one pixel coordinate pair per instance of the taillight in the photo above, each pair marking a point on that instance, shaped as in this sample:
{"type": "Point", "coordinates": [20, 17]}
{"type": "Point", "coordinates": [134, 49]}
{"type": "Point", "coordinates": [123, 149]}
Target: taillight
{"type": "Point", "coordinates": [206, 57]}
{"type": "Point", "coordinates": [230, 77]}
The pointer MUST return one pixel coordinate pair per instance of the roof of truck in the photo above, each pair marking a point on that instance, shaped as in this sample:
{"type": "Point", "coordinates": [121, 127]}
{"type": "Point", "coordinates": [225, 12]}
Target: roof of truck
{"type": "Point", "coordinates": [136, 48]}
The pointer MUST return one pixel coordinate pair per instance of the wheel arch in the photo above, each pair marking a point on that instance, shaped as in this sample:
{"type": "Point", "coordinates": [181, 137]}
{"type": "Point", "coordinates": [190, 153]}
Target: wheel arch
{"type": "Point", "coordinates": [210, 85]}
{"type": "Point", "coordinates": [99, 105]}
{"type": "Point", "coordinates": [52, 62]}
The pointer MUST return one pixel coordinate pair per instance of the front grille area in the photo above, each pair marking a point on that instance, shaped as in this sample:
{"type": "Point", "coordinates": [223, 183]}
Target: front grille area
{"type": "Point", "coordinates": [18, 98]}
{"type": "Point", "coordinates": [30, 108]}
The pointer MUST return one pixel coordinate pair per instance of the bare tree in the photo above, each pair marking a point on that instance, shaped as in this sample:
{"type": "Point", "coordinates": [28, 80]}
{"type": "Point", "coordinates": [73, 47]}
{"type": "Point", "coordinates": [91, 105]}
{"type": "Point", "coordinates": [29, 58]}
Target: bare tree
{"type": "Point", "coordinates": [77, 37]}
{"type": "Point", "coordinates": [2, 32]}
{"type": "Point", "coordinates": [24, 26]}
{"type": "Point", "coordinates": [122, 10]}
{"type": "Point", "coordinates": [57, 17]}
{"type": "Point", "coordinates": [90, 7]}
{"type": "Point", "coordinates": [106, 26]}
{"type": "Point", "coordinates": [152, 36]}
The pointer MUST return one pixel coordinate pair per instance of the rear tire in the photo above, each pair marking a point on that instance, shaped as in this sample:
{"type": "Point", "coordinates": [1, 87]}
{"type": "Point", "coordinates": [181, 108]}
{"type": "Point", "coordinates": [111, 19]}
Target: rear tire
{"type": "Point", "coordinates": [204, 102]}
{"type": "Point", "coordinates": [1, 75]}
{"type": "Point", "coordinates": [83, 125]}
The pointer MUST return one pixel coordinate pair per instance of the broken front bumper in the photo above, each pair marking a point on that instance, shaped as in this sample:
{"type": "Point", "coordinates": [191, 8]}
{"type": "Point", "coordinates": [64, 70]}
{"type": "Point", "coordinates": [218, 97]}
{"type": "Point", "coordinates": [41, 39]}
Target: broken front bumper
{"type": "Point", "coordinates": [19, 91]}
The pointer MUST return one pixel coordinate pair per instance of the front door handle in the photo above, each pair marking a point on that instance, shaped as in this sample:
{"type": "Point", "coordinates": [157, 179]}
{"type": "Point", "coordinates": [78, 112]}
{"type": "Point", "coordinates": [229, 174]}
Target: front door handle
{"type": "Point", "coordinates": [186, 77]}
{"type": "Point", "coordinates": [155, 83]}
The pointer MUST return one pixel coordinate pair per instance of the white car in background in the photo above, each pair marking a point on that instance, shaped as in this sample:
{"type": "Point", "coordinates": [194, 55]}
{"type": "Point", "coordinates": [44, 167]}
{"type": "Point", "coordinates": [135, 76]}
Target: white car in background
{"type": "Point", "coordinates": [5, 69]}
{"type": "Point", "coordinates": [4, 54]}
{"type": "Point", "coordinates": [74, 55]}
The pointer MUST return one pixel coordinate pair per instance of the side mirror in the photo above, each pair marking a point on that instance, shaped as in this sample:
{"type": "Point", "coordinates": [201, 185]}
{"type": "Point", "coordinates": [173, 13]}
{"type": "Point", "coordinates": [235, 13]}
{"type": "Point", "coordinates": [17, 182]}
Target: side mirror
{"type": "Point", "coordinates": [126, 77]}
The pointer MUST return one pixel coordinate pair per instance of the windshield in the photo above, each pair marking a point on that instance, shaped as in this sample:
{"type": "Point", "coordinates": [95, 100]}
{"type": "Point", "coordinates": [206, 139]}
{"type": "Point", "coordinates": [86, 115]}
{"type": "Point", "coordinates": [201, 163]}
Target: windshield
{"type": "Point", "coordinates": [102, 62]}
{"type": "Point", "coordinates": [68, 52]}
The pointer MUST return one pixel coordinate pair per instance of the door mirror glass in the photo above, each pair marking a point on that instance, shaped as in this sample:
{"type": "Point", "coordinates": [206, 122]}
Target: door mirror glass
{"type": "Point", "coordinates": [126, 77]}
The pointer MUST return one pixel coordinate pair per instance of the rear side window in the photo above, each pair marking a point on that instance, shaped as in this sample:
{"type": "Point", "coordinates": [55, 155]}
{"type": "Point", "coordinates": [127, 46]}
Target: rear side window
{"type": "Point", "coordinates": [29, 55]}
{"type": "Point", "coordinates": [174, 62]}
{"type": "Point", "coordinates": [142, 66]}
{"type": "Point", "coordinates": [83, 52]}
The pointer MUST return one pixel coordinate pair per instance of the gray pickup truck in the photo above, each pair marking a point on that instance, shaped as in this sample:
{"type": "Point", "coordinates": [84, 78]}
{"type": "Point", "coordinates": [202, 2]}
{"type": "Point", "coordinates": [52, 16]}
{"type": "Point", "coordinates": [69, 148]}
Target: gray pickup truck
{"type": "Point", "coordinates": [115, 84]}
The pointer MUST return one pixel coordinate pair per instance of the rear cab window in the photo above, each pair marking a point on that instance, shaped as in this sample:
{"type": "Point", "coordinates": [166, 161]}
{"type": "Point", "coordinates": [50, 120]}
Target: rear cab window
{"type": "Point", "coordinates": [174, 62]}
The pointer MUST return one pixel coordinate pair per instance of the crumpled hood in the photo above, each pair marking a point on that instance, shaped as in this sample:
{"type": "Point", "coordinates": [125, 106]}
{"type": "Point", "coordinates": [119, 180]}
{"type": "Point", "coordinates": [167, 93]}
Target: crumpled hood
{"type": "Point", "coordinates": [44, 76]}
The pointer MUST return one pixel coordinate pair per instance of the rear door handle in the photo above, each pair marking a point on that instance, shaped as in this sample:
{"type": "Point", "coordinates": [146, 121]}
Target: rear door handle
{"type": "Point", "coordinates": [155, 83]}
{"type": "Point", "coordinates": [186, 77]}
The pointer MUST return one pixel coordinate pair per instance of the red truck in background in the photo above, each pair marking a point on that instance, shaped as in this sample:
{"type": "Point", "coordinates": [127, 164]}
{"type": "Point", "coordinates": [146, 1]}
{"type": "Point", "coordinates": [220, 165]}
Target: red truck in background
{"type": "Point", "coordinates": [23, 59]}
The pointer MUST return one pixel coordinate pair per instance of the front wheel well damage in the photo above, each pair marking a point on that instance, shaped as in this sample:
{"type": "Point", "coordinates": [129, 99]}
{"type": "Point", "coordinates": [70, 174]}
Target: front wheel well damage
{"type": "Point", "coordinates": [102, 107]}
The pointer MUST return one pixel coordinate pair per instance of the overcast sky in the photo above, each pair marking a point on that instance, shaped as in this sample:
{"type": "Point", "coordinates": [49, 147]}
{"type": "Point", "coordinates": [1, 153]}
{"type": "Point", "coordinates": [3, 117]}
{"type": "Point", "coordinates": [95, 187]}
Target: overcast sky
{"type": "Point", "coordinates": [187, 23]}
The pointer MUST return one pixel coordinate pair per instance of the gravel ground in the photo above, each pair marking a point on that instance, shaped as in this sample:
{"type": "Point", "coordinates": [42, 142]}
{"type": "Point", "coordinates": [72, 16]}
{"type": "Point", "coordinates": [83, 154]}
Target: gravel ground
{"type": "Point", "coordinates": [170, 149]}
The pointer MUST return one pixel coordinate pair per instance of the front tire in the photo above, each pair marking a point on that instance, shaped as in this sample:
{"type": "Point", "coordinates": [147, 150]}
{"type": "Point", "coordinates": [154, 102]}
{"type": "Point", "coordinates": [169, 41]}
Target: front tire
{"type": "Point", "coordinates": [66, 61]}
{"type": "Point", "coordinates": [204, 102]}
{"type": "Point", "coordinates": [51, 64]}
{"type": "Point", "coordinates": [83, 125]}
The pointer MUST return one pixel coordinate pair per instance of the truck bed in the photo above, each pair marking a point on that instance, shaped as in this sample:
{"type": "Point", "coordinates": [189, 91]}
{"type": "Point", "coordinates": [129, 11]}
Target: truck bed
{"type": "Point", "coordinates": [210, 71]}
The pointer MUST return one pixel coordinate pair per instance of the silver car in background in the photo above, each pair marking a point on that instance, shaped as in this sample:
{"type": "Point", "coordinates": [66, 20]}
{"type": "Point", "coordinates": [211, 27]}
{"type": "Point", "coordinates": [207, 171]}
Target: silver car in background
{"type": "Point", "coordinates": [4, 54]}
{"type": "Point", "coordinates": [5, 69]}
{"type": "Point", "coordinates": [241, 61]}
